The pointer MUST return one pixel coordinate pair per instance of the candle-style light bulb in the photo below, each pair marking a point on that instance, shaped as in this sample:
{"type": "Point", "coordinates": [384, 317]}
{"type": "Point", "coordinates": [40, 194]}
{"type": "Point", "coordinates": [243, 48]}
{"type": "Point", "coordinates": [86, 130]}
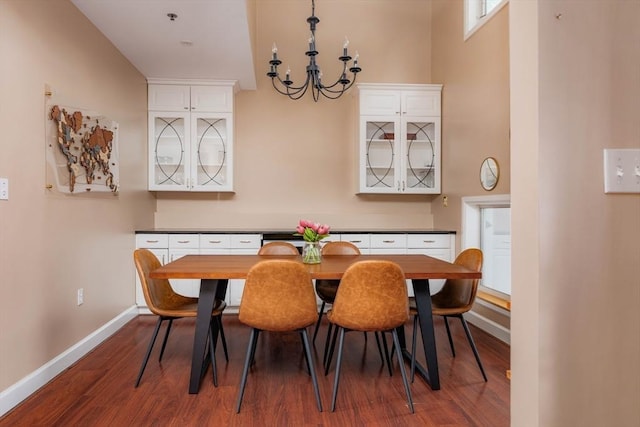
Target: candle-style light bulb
{"type": "Point", "coordinates": [344, 46]}
{"type": "Point", "coordinates": [311, 43]}
{"type": "Point", "coordinates": [288, 73]}
{"type": "Point", "coordinates": [355, 60]}
{"type": "Point", "coordinates": [274, 51]}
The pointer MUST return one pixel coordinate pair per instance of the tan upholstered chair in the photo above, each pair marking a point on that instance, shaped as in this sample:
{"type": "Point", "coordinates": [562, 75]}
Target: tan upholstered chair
{"type": "Point", "coordinates": [278, 248]}
{"type": "Point", "coordinates": [278, 297]}
{"type": "Point", "coordinates": [168, 305]}
{"type": "Point", "coordinates": [372, 296]}
{"type": "Point", "coordinates": [326, 290]}
{"type": "Point", "coordinates": [454, 299]}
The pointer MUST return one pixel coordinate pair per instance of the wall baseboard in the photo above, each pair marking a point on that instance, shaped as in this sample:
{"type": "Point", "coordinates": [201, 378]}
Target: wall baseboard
{"type": "Point", "coordinates": [489, 326]}
{"type": "Point", "coordinates": [16, 393]}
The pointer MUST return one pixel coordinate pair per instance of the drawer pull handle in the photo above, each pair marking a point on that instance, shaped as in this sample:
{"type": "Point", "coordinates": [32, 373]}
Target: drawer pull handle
{"type": "Point", "coordinates": [215, 241]}
{"type": "Point", "coordinates": [355, 241]}
{"type": "Point", "coordinates": [245, 241]}
{"type": "Point", "coordinates": [152, 241]}
{"type": "Point", "coordinates": [429, 241]}
{"type": "Point", "coordinates": [388, 241]}
{"type": "Point", "coordinates": [184, 241]}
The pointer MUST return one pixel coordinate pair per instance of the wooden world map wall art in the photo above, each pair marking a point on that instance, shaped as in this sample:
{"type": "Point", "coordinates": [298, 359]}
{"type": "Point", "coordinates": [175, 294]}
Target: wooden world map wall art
{"type": "Point", "coordinates": [81, 151]}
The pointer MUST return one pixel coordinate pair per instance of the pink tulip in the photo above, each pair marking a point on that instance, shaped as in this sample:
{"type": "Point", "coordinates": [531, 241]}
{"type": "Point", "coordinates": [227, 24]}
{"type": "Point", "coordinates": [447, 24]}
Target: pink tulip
{"type": "Point", "coordinates": [304, 223]}
{"type": "Point", "coordinates": [300, 229]}
{"type": "Point", "coordinates": [323, 229]}
{"type": "Point", "coordinates": [314, 226]}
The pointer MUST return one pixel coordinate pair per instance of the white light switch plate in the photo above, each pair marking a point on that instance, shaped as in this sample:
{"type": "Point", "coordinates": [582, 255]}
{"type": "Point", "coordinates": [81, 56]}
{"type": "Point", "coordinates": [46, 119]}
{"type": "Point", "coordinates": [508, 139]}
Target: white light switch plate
{"type": "Point", "coordinates": [622, 170]}
{"type": "Point", "coordinates": [4, 189]}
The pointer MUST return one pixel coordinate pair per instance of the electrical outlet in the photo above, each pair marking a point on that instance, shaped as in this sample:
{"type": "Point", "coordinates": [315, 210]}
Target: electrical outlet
{"type": "Point", "coordinates": [80, 296]}
{"type": "Point", "coordinates": [622, 170]}
{"type": "Point", "coordinates": [4, 189]}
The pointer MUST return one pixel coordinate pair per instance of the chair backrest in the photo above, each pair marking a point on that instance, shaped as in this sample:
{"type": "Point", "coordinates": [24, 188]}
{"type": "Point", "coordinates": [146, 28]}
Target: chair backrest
{"type": "Point", "coordinates": [340, 248]}
{"type": "Point", "coordinates": [461, 293]}
{"type": "Point", "coordinates": [278, 295]}
{"type": "Point", "coordinates": [278, 248]}
{"type": "Point", "coordinates": [372, 296]}
{"type": "Point", "coordinates": [156, 291]}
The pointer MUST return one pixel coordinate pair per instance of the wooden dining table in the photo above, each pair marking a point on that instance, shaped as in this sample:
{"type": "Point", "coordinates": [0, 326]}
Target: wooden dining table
{"type": "Point", "coordinates": [214, 272]}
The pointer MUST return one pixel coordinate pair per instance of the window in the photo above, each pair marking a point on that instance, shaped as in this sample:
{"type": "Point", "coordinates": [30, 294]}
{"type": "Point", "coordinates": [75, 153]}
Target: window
{"type": "Point", "coordinates": [486, 224]}
{"type": "Point", "coordinates": [477, 12]}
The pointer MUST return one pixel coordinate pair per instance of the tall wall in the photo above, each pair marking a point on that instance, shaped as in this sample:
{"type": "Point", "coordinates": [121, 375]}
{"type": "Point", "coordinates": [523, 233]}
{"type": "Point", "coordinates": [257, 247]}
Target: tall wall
{"type": "Point", "coordinates": [575, 324]}
{"type": "Point", "coordinates": [297, 159]}
{"type": "Point", "coordinates": [475, 124]}
{"type": "Point", "coordinates": [52, 244]}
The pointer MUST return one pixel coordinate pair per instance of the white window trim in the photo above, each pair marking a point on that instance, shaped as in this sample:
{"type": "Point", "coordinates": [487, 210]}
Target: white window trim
{"type": "Point", "coordinates": [473, 24]}
{"type": "Point", "coordinates": [470, 235]}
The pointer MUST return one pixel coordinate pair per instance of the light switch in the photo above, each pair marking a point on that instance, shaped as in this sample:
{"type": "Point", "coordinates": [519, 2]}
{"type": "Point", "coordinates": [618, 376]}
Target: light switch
{"type": "Point", "coordinates": [622, 170]}
{"type": "Point", "coordinates": [4, 189]}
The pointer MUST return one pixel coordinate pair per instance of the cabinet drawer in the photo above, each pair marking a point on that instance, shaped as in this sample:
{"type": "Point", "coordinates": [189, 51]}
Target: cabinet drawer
{"type": "Point", "coordinates": [249, 241]}
{"type": "Point", "coordinates": [191, 241]}
{"type": "Point", "coordinates": [152, 241]}
{"type": "Point", "coordinates": [428, 241]}
{"type": "Point", "coordinates": [360, 240]}
{"type": "Point", "coordinates": [388, 241]}
{"type": "Point", "coordinates": [215, 241]}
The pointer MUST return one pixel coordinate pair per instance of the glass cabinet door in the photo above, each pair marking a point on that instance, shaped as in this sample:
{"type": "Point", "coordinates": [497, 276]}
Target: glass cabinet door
{"type": "Point", "coordinates": [169, 150]}
{"type": "Point", "coordinates": [421, 156]}
{"type": "Point", "coordinates": [381, 156]}
{"type": "Point", "coordinates": [211, 158]}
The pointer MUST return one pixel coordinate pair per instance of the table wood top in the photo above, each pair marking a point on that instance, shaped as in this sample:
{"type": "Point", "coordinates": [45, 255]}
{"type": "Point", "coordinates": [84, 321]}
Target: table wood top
{"type": "Point", "coordinates": [331, 267]}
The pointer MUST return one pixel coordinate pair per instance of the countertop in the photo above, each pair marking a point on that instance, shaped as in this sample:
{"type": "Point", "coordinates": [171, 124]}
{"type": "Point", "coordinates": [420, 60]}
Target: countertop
{"type": "Point", "coordinates": [266, 231]}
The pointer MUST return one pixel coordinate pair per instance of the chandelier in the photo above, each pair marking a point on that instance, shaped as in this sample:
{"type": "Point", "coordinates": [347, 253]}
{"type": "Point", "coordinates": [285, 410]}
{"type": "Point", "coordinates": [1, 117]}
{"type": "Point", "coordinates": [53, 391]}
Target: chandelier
{"type": "Point", "coordinates": [314, 74]}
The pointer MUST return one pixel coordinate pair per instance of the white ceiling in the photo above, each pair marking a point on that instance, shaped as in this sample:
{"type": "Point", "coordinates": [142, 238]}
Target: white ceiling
{"type": "Point", "coordinates": [209, 39]}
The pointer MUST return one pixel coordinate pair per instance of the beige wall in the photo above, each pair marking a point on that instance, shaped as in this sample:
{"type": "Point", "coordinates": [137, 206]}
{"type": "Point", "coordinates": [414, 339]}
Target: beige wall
{"type": "Point", "coordinates": [297, 159]}
{"type": "Point", "coordinates": [475, 124]}
{"type": "Point", "coordinates": [576, 287]}
{"type": "Point", "coordinates": [475, 106]}
{"type": "Point", "coordinates": [52, 244]}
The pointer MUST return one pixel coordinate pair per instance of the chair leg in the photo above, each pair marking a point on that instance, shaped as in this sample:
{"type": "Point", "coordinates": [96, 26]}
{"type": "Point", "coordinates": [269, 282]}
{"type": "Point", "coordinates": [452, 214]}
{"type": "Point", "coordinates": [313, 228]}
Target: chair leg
{"type": "Point", "coordinates": [446, 324]}
{"type": "Point", "coordinates": [407, 390]}
{"type": "Point", "coordinates": [253, 353]}
{"type": "Point", "coordinates": [375, 334]}
{"type": "Point", "coordinates": [386, 353]}
{"type": "Point", "coordinates": [212, 350]}
{"type": "Point", "coordinates": [149, 348]}
{"type": "Point", "coordinates": [473, 346]}
{"type": "Point", "coordinates": [327, 364]}
{"type": "Point", "coordinates": [164, 341]}
{"type": "Point", "coordinates": [326, 344]}
{"type": "Point", "coordinates": [320, 314]}
{"type": "Point", "coordinates": [222, 338]}
{"type": "Point", "coordinates": [413, 347]}
{"type": "Point", "coordinates": [247, 362]}
{"type": "Point", "coordinates": [312, 370]}
{"type": "Point", "coordinates": [338, 364]}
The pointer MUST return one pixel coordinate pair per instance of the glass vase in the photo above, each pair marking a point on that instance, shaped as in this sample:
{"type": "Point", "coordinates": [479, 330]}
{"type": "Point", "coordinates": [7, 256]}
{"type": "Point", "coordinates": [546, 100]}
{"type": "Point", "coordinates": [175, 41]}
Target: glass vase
{"type": "Point", "coordinates": [311, 253]}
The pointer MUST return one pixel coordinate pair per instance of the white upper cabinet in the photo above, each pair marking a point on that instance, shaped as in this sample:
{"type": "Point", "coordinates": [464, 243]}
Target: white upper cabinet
{"type": "Point", "coordinates": [191, 136]}
{"type": "Point", "coordinates": [399, 142]}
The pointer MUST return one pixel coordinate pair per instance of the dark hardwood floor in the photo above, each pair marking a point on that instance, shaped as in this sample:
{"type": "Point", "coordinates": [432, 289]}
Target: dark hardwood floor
{"type": "Point", "coordinates": [98, 390]}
